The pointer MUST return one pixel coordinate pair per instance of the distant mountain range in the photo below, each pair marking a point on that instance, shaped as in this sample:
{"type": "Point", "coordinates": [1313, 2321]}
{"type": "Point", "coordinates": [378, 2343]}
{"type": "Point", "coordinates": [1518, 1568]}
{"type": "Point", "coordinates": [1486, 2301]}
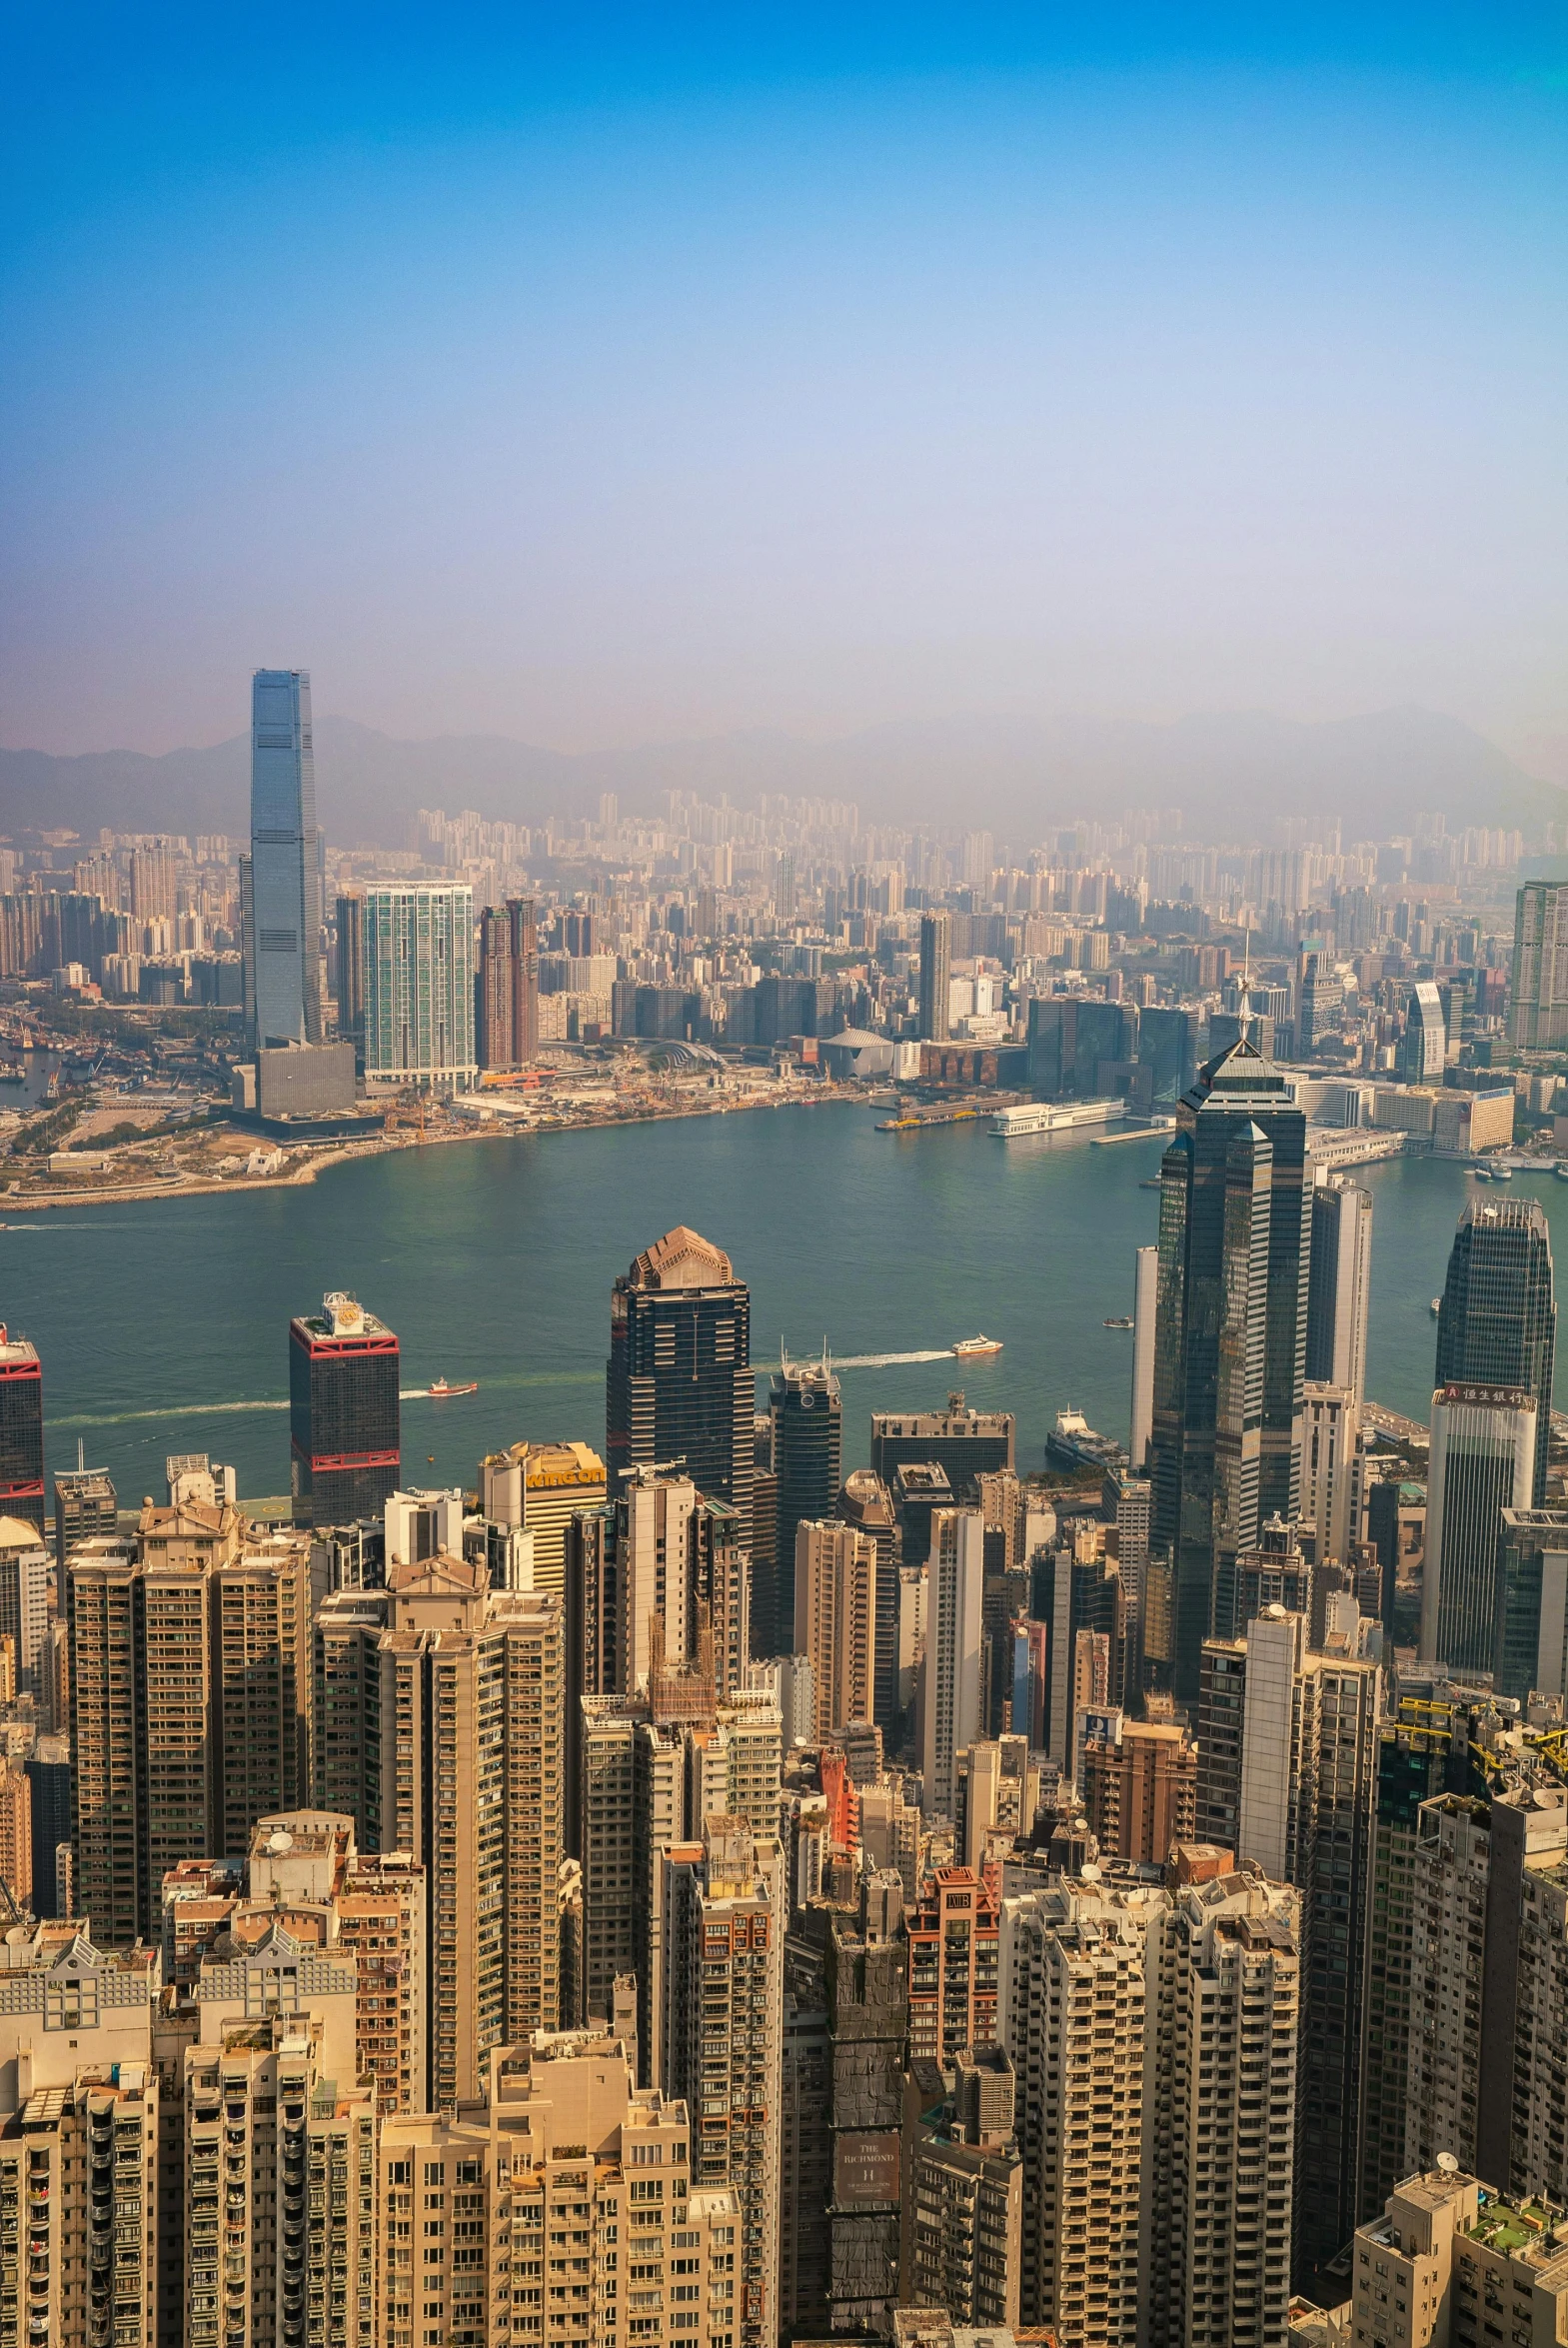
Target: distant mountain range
{"type": "Point", "coordinates": [1231, 775]}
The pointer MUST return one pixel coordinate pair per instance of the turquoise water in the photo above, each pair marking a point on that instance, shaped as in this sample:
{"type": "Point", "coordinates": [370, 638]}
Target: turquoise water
{"type": "Point", "coordinates": [164, 1327]}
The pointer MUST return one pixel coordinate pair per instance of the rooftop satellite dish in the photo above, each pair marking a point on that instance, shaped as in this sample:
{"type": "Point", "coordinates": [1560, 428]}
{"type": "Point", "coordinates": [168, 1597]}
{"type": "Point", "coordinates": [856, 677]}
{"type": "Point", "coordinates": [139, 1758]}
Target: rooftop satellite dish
{"type": "Point", "coordinates": [278, 1843]}
{"type": "Point", "coordinates": [1447, 2163]}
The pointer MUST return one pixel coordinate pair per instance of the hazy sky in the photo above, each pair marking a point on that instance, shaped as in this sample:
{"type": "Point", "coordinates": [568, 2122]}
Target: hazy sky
{"type": "Point", "coordinates": [595, 374]}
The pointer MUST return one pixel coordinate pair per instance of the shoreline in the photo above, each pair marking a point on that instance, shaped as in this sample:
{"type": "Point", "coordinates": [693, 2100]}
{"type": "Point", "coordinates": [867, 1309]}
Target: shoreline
{"type": "Point", "coordinates": [145, 1193]}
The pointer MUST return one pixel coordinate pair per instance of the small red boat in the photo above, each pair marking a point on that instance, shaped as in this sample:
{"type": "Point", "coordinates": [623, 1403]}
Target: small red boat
{"type": "Point", "coordinates": [439, 1388]}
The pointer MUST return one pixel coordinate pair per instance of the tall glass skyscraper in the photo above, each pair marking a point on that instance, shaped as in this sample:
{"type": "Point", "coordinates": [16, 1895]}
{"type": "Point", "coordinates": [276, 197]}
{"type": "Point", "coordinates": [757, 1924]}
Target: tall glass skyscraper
{"type": "Point", "coordinates": [1497, 1325]}
{"type": "Point", "coordinates": [418, 987]}
{"type": "Point", "coordinates": [1230, 1338]}
{"type": "Point", "coordinates": [679, 1381]}
{"type": "Point", "coordinates": [935, 967]}
{"type": "Point", "coordinates": [281, 891]}
{"type": "Point", "coordinates": [806, 1411]}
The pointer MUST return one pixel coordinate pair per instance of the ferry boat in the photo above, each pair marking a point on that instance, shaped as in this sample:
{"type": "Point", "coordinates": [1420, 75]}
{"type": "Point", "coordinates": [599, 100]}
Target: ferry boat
{"type": "Point", "coordinates": [1561, 1170]}
{"type": "Point", "coordinates": [1117, 1321]}
{"type": "Point", "coordinates": [1502, 1173]}
{"type": "Point", "coordinates": [1072, 1442]}
{"type": "Point", "coordinates": [439, 1388]}
{"type": "Point", "coordinates": [971, 1348]}
{"type": "Point", "coordinates": [1437, 1306]}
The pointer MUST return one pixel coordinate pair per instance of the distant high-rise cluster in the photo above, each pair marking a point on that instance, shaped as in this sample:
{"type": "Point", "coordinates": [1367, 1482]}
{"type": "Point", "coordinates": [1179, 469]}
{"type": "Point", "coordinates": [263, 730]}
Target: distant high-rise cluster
{"type": "Point", "coordinates": [742, 1876]}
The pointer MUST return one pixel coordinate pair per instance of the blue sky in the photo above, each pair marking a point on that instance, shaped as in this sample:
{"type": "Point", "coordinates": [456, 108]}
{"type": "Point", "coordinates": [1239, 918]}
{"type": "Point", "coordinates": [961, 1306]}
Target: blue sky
{"type": "Point", "coordinates": [600, 375]}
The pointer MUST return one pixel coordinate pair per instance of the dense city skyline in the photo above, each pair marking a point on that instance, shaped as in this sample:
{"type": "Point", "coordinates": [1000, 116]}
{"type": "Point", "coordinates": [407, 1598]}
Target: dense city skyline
{"type": "Point", "coordinates": [783, 1122]}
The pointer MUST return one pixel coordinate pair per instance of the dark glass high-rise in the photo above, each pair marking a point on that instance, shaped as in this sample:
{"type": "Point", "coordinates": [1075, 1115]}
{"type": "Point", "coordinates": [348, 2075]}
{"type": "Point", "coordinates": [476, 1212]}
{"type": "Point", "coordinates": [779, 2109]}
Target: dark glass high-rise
{"type": "Point", "coordinates": [21, 1431]}
{"type": "Point", "coordinates": [678, 1379]}
{"type": "Point", "coordinates": [1230, 1338]}
{"type": "Point", "coordinates": [1497, 1324]}
{"type": "Point", "coordinates": [344, 1418]}
{"type": "Point", "coordinates": [806, 1411]}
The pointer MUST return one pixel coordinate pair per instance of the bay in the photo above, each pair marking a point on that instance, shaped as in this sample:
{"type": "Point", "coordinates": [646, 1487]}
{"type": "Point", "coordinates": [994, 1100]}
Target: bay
{"type": "Point", "coordinates": [163, 1325]}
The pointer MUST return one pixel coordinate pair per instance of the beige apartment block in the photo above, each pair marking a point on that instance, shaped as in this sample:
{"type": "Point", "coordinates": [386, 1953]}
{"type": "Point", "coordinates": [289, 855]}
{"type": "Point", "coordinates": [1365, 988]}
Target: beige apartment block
{"type": "Point", "coordinates": [66, 2006]}
{"type": "Point", "coordinates": [191, 1698]}
{"type": "Point", "coordinates": [452, 1695]}
{"type": "Point", "coordinates": [1225, 2008]}
{"type": "Point", "coordinates": [647, 1783]}
{"type": "Point", "coordinates": [1453, 2264]}
{"type": "Point", "coordinates": [365, 1909]}
{"type": "Point", "coordinates": [1074, 2024]}
{"type": "Point", "coordinates": [280, 2188]}
{"type": "Point", "coordinates": [79, 2211]}
{"type": "Point", "coordinates": [965, 2188]}
{"type": "Point", "coordinates": [558, 2209]}
{"type": "Point", "coordinates": [541, 1486]}
{"type": "Point", "coordinates": [835, 1620]}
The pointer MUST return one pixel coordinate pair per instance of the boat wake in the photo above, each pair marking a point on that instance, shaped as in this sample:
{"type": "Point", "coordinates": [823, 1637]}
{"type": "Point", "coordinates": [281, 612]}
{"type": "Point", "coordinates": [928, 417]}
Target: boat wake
{"type": "Point", "coordinates": [875, 1360]}
{"type": "Point", "coordinates": [179, 1411]}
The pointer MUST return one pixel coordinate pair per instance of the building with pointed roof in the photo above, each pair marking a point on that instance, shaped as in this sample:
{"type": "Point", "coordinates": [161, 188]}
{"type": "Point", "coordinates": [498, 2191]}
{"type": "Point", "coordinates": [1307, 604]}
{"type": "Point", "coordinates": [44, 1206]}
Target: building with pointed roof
{"type": "Point", "coordinates": [1230, 1337]}
{"type": "Point", "coordinates": [679, 1386]}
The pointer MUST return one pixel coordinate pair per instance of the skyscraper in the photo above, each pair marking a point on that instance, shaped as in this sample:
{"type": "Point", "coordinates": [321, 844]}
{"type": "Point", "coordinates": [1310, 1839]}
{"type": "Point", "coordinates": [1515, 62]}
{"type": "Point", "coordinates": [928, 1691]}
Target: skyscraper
{"type": "Point", "coordinates": [541, 1487]}
{"type": "Point", "coordinates": [679, 1378]}
{"type": "Point", "coordinates": [1497, 1325]}
{"type": "Point", "coordinates": [1538, 999]}
{"type": "Point", "coordinates": [1230, 1346]}
{"type": "Point", "coordinates": [350, 972]}
{"type": "Point", "coordinates": [1339, 1286]}
{"type": "Point", "coordinates": [936, 974]}
{"type": "Point", "coordinates": [721, 2034]}
{"type": "Point", "coordinates": [190, 1700]}
{"type": "Point", "coordinates": [1331, 1470]}
{"type": "Point", "coordinates": [344, 1412]}
{"type": "Point", "coordinates": [1424, 1048]}
{"type": "Point", "coordinates": [835, 1620]}
{"type": "Point", "coordinates": [456, 1689]}
{"type": "Point", "coordinates": [285, 879]}
{"type": "Point", "coordinates": [950, 1699]}
{"type": "Point", "coordinates": [1292, 1758]}
{"type": "Point", "coordinates": [1165, 1047]}
{"type": "Point", "coordinates": [1483, 1460]}
{"type": "Point", "coordinates": [507, 1034]}
{"type": "Point", "coordinates": [1226, 1968]}
{"type": "Point", "coordinates": [1145, 1293]}
{"type": "Point", "coordinates": [1530, 1651]}
{"type": "Point", "coordinates": [21, 1429]}
{"type": "Point", "coordinates": [418, 987]}
{"type": "Point", "coordinates": [806, 1411]}
{"type": "Point", "coordinates": [1073, 1990]}
{"type": "Point", "coordinates": [866, 1503]}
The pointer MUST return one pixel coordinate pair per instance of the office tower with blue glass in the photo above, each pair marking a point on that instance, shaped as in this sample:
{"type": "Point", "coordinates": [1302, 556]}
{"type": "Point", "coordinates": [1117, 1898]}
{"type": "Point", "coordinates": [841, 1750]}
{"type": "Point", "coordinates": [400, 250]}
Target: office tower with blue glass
{"type": "Point", "coordinates": [280, 887]}
{"type": "Point", "coordinates": [1230, 1339]}
{"type": "Point", "coordinates": [1497, 1322]}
